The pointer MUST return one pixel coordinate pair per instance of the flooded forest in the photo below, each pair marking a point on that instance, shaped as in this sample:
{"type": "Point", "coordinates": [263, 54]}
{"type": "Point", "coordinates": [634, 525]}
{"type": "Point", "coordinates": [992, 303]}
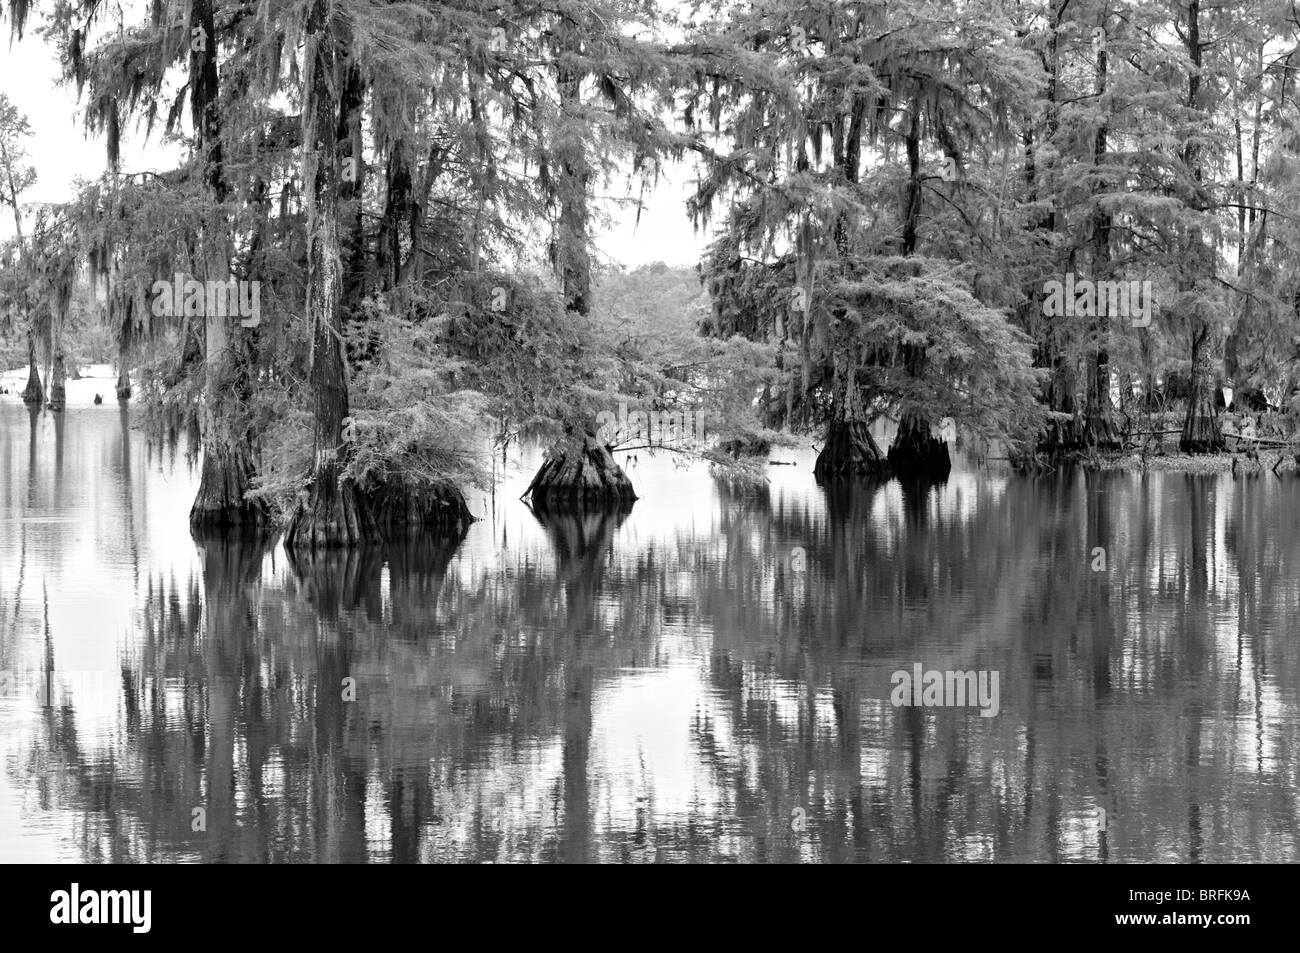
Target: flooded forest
{"type": "Point", "coordinates": [649, 431]}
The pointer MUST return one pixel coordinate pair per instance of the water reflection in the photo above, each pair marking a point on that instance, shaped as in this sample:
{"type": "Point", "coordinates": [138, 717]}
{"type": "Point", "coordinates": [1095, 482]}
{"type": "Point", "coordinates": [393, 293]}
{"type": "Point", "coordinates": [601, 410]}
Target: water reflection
{"type": "Point", "coordinates": [706, 677]}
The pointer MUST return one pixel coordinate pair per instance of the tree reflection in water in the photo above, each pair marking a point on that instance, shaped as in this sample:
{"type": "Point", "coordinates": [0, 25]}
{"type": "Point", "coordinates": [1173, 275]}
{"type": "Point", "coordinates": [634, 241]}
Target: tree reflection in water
{"type": "Point", "coordinates": [636, 687]}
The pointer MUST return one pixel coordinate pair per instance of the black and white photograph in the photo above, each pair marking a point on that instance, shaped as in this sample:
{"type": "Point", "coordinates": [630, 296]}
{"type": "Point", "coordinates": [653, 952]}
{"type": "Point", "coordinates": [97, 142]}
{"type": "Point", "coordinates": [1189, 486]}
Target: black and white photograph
{"type": "Point", "coordinates": [651, 432]}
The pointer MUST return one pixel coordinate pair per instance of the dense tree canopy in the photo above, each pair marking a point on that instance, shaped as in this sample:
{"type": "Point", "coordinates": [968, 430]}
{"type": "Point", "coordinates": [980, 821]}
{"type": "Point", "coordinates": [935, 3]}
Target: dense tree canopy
{"type": "Point", "coordinates": [894, 194]}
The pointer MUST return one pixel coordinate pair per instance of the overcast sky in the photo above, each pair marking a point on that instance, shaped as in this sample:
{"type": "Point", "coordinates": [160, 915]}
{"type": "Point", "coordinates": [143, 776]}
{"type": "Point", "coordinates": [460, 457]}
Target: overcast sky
{"type": "Point", "coordinates": [61, 151]}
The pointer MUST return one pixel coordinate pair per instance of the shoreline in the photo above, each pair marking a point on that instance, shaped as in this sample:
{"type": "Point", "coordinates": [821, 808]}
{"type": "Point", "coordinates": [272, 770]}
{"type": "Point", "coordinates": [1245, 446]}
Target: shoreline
{"type": "Point", "coordinates": [1273, 460]}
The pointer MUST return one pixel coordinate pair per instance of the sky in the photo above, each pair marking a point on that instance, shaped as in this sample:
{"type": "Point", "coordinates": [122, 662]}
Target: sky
{"type": "Point", "coordinates": [60, 151]}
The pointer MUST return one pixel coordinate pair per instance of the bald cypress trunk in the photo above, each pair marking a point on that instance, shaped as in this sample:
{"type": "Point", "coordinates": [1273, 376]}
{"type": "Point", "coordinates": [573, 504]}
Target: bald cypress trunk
{"type": "Point", "coordinates": [331, 512]}
{"type": "Point", "coordinates": [580, 474]}
{"type": "Point", "coordinates": [580, 470]}
{"type": "Point", "coordinates": [225, 479]}
{"type": "Point", "coordinates": [1200, 426]}
{"type": "Point", "coordinates": [228, 458]}
{"type": "Point", "coordinates": [33, 393]}
{"type": "Point", "coordinates": [849, 451]}
{"type": "Point", "coordinates": [1099, 428]}
{"type": "Point", "coordinates": [915, 452]}
{"type": "Point", "coordinates": [1200, 432]}
{"type": "Point", "coordinates": [401, 507]}
{"type": "Point", "coordinates": [1063, 433]}
{"type": "Point", "coordinates": [123, 345]}
{"type": "Point", "coordinates": [58, 389]}
{"type": "Point", "coordinates": [352, 190]}
{"type": "Point", "coordinates": [397, 209]}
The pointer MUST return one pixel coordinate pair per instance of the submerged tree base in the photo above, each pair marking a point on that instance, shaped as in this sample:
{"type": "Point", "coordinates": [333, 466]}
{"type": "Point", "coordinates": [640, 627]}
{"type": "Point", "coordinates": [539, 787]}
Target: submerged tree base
{"type": "Point", "coordinates": [58, 387]}
{"type": "Point", "coordinates": [124, 386]}
{"type": "Point", "coordinates": [850, 451]}
{"type": "Point", "coordinates": [580, 476]}
{"type": "Point", "coordinates": [1100, 433]}
{"type": "Point", "coordinates": [220, 503]}
{"type": "Point", "coordinates": [400, 508]}
{"type": "Point", "coordinates": [333, 513]}
{"type": "Point", "coordinates": [1064, 433]}
{"type": "Point", "coordinates": [33, 393]}
{"type": "Point", "coordinates": [1200, 435]}
{"type": "Point", "coordinates": [916, 453]}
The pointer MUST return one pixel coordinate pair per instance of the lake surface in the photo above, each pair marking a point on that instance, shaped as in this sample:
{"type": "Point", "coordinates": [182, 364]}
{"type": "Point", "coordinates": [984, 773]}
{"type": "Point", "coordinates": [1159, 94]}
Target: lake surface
{"type": "Point", "coordinates": [707, 678]}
